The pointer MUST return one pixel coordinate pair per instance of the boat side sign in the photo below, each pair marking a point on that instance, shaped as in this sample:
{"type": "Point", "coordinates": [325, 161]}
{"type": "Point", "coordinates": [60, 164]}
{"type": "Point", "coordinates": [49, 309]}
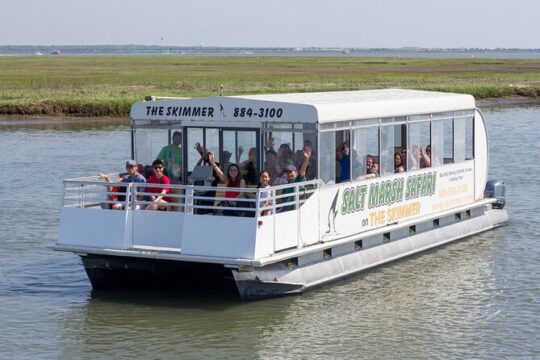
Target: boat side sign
{"type": "Point", "coordinates": [361, 206]}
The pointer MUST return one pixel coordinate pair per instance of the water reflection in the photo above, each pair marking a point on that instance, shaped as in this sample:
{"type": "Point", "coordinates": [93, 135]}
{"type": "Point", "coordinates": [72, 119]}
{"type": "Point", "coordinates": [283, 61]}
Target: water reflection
{"type": "Point", "coordinates": [431, 300]}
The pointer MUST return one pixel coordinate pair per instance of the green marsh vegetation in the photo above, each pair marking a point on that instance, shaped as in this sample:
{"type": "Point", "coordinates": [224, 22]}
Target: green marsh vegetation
{"type": "Point", "coordinates": [107, 86]}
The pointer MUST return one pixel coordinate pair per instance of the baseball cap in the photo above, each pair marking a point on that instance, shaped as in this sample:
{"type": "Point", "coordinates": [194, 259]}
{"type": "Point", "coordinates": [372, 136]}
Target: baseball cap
{"type": "Point", "coordinates": [290, 167]}
{"type": "Point", "coordinates": [131, 163]}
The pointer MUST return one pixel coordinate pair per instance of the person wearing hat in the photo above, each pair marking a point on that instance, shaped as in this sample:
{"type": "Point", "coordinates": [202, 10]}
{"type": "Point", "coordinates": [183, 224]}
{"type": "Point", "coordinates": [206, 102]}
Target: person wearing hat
{"type": "Point", "coordinates": [171, 155]}
{"type": "Point", "coordinates": [294, 176]}
{"type": "Point", "coordinates": [131, 176]}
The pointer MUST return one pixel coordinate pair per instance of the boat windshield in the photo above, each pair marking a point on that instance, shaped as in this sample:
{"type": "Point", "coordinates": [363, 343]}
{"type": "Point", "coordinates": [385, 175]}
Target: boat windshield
{"type": "Point", "coordinates": [252, 149]}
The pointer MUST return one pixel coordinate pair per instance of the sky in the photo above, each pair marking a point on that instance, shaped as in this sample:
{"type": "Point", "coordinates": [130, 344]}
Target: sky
{"type": "Point", "coordinates": [274, 23]}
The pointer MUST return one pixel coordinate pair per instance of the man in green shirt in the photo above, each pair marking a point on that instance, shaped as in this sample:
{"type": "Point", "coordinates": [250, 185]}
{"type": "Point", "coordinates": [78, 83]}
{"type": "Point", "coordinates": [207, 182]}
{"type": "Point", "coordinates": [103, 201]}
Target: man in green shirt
{"type": "Point", "coordinates": [171, 155]}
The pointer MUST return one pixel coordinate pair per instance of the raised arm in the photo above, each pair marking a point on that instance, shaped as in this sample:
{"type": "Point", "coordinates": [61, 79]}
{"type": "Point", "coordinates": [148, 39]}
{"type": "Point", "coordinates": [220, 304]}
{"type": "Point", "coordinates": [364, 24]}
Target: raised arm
{"type": "Point", "coordinates": [424, 158]}
{"type": "Point", "coordinates": [202, 151]}
{"type": "Point", "coordinates": [104, 177]}
{"type": "Point", "coordinates": [307, 155]}
{"type": "Point", "coordinates": [216, 168]}
{"type": "Point", "coordinates": [269, 143]}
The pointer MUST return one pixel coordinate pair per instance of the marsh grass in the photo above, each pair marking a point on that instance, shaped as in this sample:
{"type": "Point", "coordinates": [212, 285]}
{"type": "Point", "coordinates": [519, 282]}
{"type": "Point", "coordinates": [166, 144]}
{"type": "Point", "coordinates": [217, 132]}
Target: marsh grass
{"type": "Point", "coordinates": [107, 86]}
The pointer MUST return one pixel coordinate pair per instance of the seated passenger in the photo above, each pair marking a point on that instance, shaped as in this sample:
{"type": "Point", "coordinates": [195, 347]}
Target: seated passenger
{"type": "Point", "coordinates": [249, 166]}
{"type": "Point", "coordinates": [110, 190]}
{"type": "Point", "coordinates": [211, 194]}
{"type": "Point", "coordinates": [404, 154]}
{"type": "Point", "coordinates": [266, 195]}
{"type": "Point", "coordinates": [372, 170]}
{"type": "Point", "coordinates": [425, 157]}
{"type": "Point", "coordinates": [311, 171]}
{"type": "Point", "coordinates": [398, 163]}
{"type": "Point", "coordinates": [171, 156]}
{"type": "Point", "coordinates": [271, 165]}
{"type": "Point", "coordinates": [132, 176]}
{"type": "Point", "coordinates": [285, 155]}
{"type": "Point", "coordinates": [343, 158]}
{"type": "Point", "coordinates": [232, 180]}
{"type": "Point", "coordinates": [158, 177]}
{"type": "Point", "coordinates": [294, 176]}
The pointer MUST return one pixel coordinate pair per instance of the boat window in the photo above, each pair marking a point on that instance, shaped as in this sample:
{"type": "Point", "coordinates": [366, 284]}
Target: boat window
{"type": "Point", "coordinates": [163, 144]}
{"type": "Point", "coordinates": [448, 141]}
{"type": "Point", "coordinates": [240, 147]}
{"type": "Point", "coordinates": [418, 142]}
{"type": "Point", "coordinates": [282, 143]}
{"type": "Point", "coordinates": [211, 141]}
{"type": "Point", "coordinates": [393, 142]}
{"type": "Point", "coordinates": [343, 155]}
{"type": "Point", "coordinates": [437, 143]}
{"type": "Point", "coordinates": [327, 157]}
{"type": "Point", "coordinates": [194, 136]}
{"type": "Point", "coordinates": [387, 150]}
{"type": "Point", "coordinates": [365, 143]}
{"type": "Point", "coordinates": [459, 140]}
{"type": "Point", "coordinates": [469, 138]}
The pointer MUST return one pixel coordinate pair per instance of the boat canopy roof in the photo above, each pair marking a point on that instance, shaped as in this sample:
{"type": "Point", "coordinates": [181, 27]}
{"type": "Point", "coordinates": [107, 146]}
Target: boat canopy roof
{"type": "Point", "coordinates": [320, 107]}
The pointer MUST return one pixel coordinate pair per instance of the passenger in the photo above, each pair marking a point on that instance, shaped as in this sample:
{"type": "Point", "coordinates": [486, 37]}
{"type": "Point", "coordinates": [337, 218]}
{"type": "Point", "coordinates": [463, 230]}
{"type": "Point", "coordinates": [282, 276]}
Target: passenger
{"type": "Point", "coordinates": [404, 157]}
{"type": "Point", "coordinates": [271, 165]}
{"type": "Point", "coordinates": [232, 180]}
{"type": "Point", "coordinates": [344, 159]}
{"type": "Point", "coordinates": [203, 160]}
{"type": "Point", "coordinates": [171, 156]}
{"type": "Point", "coordinates": [398, 163]}
{"type": "Point", "coordinates": [311, 171]}
{"type": "Point", "coordinates": [226, 160]}
{"type": "Point", "coordinates": [295, 176]}
{"type": "Point", "coordinates": [266, 195]}
{"type": "Point", "coordinates": [211, 194]}
{"type": "Point", "coordinates": [371, 168]}
{"type": "Point", "coordinates": [111, 189]}
{"type": "Point", "coordinates": [249, 166]}
{"type": "Point", "coordinates": [131, 176]}
{"type": "Point", "coordinates": [285, 156]}
{"type": "Point", "coordinates": [159, 201]}
{"type": "Point", "coordinates": [425, 157]}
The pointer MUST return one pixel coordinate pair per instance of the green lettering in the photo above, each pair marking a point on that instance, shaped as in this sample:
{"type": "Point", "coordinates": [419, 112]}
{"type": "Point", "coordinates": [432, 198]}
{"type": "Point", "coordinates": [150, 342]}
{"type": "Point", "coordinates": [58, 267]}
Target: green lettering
{"type": "Point", "coordinates": [373, 195]}
{"type": "Point", "coordinates": [344, 201]}
{"type": "Point", "coordinates": [398, 188]}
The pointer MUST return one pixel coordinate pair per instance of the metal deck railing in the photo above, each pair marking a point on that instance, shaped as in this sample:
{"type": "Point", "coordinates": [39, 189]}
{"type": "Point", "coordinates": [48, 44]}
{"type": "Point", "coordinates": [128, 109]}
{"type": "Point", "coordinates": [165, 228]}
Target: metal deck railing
{"type": "Point", "coordinates": [91, 192]}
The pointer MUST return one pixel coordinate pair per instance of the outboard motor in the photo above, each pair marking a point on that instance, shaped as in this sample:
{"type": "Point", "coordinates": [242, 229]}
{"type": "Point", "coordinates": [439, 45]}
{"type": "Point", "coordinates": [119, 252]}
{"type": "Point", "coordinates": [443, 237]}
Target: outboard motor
{"type": "Point", "coordinates": [495, 189]}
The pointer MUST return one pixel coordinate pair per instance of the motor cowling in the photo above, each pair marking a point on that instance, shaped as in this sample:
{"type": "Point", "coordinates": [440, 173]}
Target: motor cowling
{"type": "Point", "coordinates": [496, 189]}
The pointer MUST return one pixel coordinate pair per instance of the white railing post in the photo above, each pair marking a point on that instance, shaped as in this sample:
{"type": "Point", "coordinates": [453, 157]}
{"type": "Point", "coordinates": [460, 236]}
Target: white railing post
{"type": "Point", "coordinates": [297, 209]}
{"type": "Point", "coordinates": [133, 192]}
{"type": "Point", "coordinates": [258, 198]}
{"type": "Point", "coordinates": [81, 196]}
{"type": "Point", "coordinates": [189, 201]}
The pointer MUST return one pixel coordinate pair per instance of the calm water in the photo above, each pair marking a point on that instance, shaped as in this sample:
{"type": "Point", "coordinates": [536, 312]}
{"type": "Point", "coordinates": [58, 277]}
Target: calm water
{"type": "Point", "coordinates": [284, 52]}
{"type": "Point", "coordinates": [473, 299]}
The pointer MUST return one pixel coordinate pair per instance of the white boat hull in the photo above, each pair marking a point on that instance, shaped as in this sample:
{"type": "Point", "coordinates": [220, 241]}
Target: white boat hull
{"type": "Point", "coordinates": [290, 278]}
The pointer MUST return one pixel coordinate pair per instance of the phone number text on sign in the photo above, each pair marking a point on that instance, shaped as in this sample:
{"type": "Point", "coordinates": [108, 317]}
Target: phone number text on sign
{"type": "Point", "coordinates": [261, 112]}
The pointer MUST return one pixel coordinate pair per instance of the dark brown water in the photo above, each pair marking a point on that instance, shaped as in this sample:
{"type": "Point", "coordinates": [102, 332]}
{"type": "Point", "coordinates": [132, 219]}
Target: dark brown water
{"type": "Point", "coordinates": [478, 298]}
